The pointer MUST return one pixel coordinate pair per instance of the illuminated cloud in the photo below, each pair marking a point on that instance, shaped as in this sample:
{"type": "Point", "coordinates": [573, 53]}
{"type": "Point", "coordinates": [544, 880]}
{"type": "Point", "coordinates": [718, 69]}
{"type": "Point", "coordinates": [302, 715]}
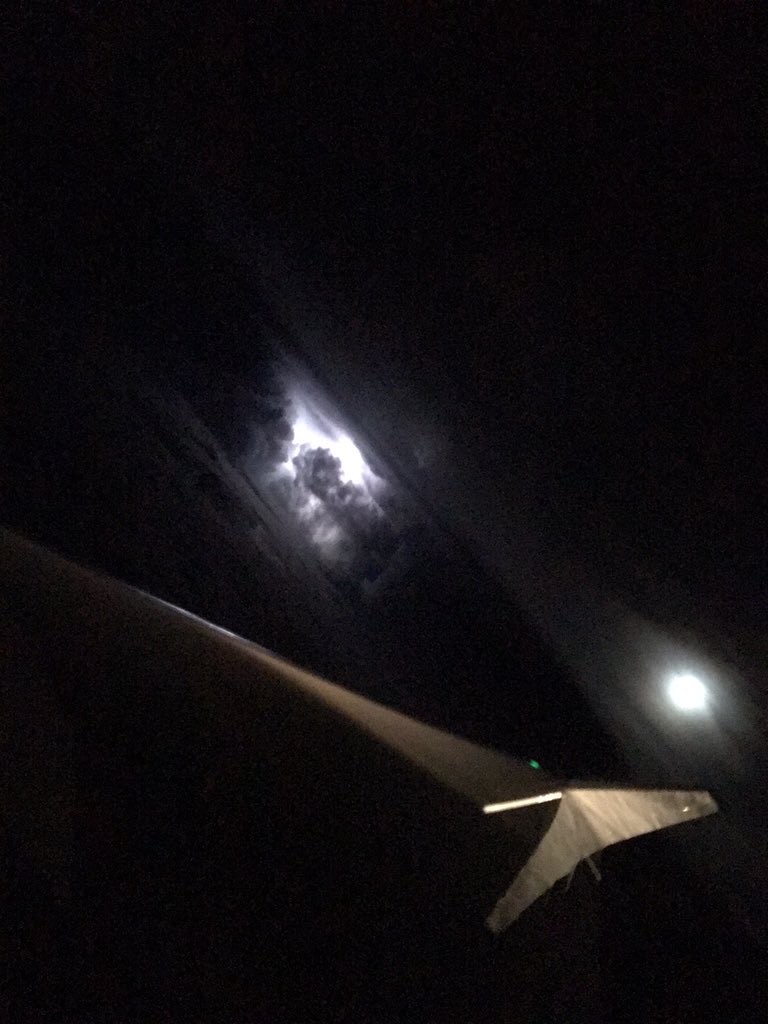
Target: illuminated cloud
{"type": "Point", "coordinates": [307, 461]}
{"type": "Point", "coordinates": [311, 433]}
{"type": "Point", "coordinates": [332, 490]}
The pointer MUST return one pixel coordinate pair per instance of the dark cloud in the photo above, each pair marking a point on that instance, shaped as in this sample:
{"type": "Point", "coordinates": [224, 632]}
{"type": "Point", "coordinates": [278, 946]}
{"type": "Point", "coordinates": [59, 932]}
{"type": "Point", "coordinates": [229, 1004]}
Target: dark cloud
{"type": "Point", "coordinates": [268, 441]}
{"type": "Point", "coordinates": [347, 522]}
{"type": "Point", "coordinates": [272, 439]}
{"type": "Point", "coordinates": [319, 471]}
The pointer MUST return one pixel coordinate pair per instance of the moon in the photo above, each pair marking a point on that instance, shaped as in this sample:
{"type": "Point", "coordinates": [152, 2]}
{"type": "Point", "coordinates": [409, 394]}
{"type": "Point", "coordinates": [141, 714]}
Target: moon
{"type": "Point", "coordinates": [687, 692]}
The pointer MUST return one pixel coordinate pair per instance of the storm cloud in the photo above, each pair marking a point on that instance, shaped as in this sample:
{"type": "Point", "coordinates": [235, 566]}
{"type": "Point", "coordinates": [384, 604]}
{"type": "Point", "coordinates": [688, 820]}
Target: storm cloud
{"type": "Point", "coordinates": [311, 466]}
{"type": "Point", "coordinates": [344, 518]}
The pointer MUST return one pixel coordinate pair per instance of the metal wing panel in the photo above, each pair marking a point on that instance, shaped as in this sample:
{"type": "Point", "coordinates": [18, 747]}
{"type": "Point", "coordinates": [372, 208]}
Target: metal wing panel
{"type": "Point", "coordinates": [589, 820]}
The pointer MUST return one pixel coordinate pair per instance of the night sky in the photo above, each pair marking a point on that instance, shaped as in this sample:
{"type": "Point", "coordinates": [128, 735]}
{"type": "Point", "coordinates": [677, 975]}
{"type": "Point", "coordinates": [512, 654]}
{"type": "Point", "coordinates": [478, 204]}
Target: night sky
{"type": "Point", "coordinates": [518, 257]}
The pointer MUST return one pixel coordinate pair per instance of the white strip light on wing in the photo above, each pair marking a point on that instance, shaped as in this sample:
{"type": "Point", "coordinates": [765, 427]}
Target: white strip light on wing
{"type": "Point", "coordinates": [528, 801]}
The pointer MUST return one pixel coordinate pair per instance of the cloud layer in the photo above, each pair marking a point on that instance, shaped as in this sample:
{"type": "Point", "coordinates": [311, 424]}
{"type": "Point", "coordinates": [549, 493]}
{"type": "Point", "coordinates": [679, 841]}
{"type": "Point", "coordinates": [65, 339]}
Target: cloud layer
{"type": "Point", "coordinates": [353, 517]}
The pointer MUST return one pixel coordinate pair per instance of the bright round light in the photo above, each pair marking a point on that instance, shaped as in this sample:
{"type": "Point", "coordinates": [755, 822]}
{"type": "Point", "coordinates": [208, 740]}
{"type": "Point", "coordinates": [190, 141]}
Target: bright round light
{"type": "Point", "coordinates": [688, 693]}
